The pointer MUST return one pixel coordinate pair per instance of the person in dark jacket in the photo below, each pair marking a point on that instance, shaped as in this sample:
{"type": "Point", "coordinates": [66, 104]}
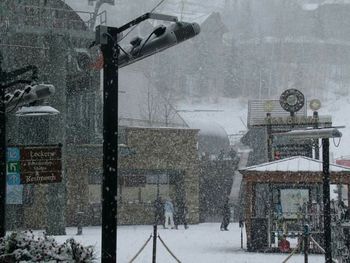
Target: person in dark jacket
{"type": "Point", "coordinates": [226, 215]}
{"type": "Point", "coordinates": [180, 215]}
{"type": "Point", "coordinates": [159, 211]}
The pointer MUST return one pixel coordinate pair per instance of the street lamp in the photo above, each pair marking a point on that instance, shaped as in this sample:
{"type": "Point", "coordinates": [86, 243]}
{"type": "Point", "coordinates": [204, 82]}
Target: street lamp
{"type": "Point", "coordinates": [36, 111]}
{"type": "Point", "coordinates": [325, 134]}
{"type": "Point", "coordinates": [161, 38]}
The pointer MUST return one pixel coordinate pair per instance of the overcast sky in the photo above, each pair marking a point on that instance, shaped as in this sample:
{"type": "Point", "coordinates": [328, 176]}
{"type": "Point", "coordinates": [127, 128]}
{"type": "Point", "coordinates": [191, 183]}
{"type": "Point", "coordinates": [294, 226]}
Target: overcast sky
{"type": "Point", "coordinates": [190, 10]}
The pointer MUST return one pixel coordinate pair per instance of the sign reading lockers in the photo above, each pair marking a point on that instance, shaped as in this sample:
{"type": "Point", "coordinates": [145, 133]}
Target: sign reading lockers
{"type": "Point", "coordinates": [34, 165]}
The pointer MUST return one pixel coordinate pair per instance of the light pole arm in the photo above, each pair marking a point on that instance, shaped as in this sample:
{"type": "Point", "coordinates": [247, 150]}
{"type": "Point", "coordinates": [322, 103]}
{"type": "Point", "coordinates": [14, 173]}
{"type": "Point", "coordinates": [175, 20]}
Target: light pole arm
{"type": "Point", "coordinates": [5, 77]}
{"type": "Point", "coordinates": [145, 17]}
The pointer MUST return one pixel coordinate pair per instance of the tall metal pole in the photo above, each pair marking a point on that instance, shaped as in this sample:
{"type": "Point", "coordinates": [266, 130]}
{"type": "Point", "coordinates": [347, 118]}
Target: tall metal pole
{"type": "Point", "coordinates": [306, 243]}
{"type": "Point", "coordinates": [316, 141]}
{"type": "Point", "coordinates": [270, 157]}
{"type": "Point", "coordinates": [326, 201]}
{"type": "Point", "coordinates": [2, 156]}
{"type": "Point", "coordinates": [155, 226]}
{"type": "Point", "coordinates": [154, 250]}
{"type": "Point", "coordinates": [110, 147]}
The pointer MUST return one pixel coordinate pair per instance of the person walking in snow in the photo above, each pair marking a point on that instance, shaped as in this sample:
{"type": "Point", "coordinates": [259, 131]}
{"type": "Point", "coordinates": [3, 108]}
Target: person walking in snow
{"type": "Point", "coordinates": [180, 216]}
{"type": "Point", "coordinates": [159, 211]}
{"type": "Point", "coordinates": [169, 214]}
{"type": "Point", "coordinates": [226, 213]}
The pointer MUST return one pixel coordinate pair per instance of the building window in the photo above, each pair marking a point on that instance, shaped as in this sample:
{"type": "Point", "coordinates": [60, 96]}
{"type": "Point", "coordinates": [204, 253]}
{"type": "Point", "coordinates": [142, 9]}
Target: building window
{"type": "Point", "coordinates": [95, 176]}
{"type": "Point", "coordinates": [95, 180]}
{"type": "Point", "coordinates": [153, 178]}
{"type": "Point", "coordinates": [143, 186]}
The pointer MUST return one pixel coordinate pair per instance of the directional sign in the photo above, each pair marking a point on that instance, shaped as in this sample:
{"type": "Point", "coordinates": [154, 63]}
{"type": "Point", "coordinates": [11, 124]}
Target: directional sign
{"type": "Point", "coordinates": [41, 165]}
{"type": "Point", "coordinates": [13, 154]}
{"type": "Point", "coordinates": [40, 153]}
{"type": "Point", "coordinates": [13, 167]}
{"type": "Point", "coordinates": [14, 194]}
{"type": "Point", "coordinates": [33, 164]}
{"type": "Point", "coordinates": [13, 179]}
{"type": "Point", "coordinates": [41, 177]}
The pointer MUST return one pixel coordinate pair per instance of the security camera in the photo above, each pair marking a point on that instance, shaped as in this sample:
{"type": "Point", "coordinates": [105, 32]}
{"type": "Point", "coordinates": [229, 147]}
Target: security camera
{"type": "Point", "coordinates": [161, 38]}
{"type": "Point", "coordinates": [28, 95]}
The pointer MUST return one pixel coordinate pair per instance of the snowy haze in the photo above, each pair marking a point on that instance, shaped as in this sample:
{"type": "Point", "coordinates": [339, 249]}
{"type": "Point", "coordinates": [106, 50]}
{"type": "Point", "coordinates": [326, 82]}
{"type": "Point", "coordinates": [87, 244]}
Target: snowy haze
{"type": "Point", "coordinates": [236, 79]}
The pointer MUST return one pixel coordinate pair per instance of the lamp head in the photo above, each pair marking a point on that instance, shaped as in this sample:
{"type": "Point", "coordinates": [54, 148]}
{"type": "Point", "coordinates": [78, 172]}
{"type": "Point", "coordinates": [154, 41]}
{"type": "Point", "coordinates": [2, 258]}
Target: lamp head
{"type": "Point", "coordinates": [30, 111]}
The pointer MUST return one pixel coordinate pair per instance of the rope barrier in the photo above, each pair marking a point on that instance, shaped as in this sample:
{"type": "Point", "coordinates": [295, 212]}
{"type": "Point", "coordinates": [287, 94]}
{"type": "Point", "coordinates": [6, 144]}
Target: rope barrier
{"type": "Point", "coordinates": [138, 253]}
{"type": "Point", "coordinates": [293, 252]}
{"type": "Point", "coordinates": [317, 244]}
{"type": "Point", "coordinates": [171, 253]}
{"type": "Point", "coordinates": [321, 248]}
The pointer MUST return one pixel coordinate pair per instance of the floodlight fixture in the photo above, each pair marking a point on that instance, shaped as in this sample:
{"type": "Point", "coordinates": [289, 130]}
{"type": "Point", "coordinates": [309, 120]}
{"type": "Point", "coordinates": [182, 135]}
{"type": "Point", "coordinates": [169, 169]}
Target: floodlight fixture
{"type": "Point", "coordinates": [161, 38]}
{"type": "Point", "coordinates": [30, 111]}
{"type": "Point", "coordinates": [311, 133]}
{"type": "Point", "coordinates": [28, 95]}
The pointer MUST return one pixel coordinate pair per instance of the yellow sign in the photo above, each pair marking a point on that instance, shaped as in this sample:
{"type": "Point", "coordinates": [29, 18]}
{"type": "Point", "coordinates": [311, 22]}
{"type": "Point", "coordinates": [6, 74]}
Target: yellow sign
{"type": "Point", "coordinates": [295, 120]}
{"type": "Point", "coordinates": [268, 106]}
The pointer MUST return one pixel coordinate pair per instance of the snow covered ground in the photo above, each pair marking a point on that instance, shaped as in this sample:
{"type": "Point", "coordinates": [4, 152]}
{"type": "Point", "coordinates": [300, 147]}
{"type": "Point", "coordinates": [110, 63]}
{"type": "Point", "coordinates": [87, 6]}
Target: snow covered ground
{"type": "Point", "coordinates": [203, 243]}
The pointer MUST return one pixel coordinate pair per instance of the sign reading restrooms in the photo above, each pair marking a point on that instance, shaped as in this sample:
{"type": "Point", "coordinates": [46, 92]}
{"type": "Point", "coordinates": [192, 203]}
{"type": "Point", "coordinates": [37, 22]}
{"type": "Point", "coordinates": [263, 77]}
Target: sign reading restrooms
{"type": "Point", "coordinates": [34, 164]}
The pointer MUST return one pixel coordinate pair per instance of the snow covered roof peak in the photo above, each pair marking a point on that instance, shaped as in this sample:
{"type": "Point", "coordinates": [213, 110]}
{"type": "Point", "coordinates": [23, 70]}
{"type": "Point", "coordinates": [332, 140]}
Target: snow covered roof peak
{"type": "Point", "coordinates": [295, 164]}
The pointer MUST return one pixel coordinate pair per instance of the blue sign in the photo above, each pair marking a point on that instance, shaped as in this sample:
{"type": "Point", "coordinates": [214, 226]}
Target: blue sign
{"type": "Point", "coordinates": [14, 194]}
{"type": "Point", "coordinates": [13, 154]}
{"type": "Point", "coordinates": [13, 179]}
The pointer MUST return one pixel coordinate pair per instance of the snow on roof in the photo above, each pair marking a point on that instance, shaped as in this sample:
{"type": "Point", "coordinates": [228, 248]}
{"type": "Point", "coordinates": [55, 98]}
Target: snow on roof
{"type": "Point", "coordinates": [208, 128]}
{"type": "Point", "coordinates": [310, 7]}
{"type": "Point", "coordinates": [295, 164]}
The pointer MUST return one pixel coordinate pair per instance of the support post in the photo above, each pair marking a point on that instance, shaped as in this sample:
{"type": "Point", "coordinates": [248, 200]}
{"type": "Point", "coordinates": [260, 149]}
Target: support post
{"type": "Point", "coordinates": [306, 243]}
{"type": "Point", "coordinates": [316, 141]}
{"type": "Point", "coordinates": [326, 201]}
{"type": "Point", "coordinates": [2, 157]}
{"type": "Point", "coordinates": [110, 147]}
{"type": "Point", "coordinates": [270, 156]}
{"type": "Point", "coordinates": [154, 251]}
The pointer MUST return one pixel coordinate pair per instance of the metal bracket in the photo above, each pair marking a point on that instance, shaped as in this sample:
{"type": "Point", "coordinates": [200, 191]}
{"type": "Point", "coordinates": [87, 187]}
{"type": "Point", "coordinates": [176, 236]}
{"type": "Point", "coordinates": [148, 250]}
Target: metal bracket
{"type": "Point", "coordinates": [146, 16]}
{"type": "Point", "coordinates": [101, 35]}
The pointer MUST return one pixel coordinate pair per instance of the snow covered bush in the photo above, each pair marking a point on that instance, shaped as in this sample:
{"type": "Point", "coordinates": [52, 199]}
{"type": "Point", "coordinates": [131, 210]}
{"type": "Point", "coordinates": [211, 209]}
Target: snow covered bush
{"type": "Point", "coordinates": [25, 247]}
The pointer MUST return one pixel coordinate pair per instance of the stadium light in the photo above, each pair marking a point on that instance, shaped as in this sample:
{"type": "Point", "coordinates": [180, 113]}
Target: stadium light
{"type": "Point", "coordinates": [114, 57]}
{"type": "Point", "coordinates": [161, 38]}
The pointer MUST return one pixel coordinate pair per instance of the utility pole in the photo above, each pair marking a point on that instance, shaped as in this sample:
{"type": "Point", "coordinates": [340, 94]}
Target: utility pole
{"type": "Point", "coordinates": [2, 154]}
{"type": "Point", "coordinates": [326, 201]}
{"type": "Point", "coordinates": [110, 52]}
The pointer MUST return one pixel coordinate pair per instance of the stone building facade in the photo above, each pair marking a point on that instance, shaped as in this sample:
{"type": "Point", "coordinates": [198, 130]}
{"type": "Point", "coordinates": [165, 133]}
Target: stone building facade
{"type": "Point", "coordinates": [162, 159]}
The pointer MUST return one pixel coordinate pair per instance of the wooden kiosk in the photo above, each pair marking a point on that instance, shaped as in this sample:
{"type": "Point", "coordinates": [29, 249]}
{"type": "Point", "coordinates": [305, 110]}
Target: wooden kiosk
{"type": "Point", "coordinates": [281, 196]}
